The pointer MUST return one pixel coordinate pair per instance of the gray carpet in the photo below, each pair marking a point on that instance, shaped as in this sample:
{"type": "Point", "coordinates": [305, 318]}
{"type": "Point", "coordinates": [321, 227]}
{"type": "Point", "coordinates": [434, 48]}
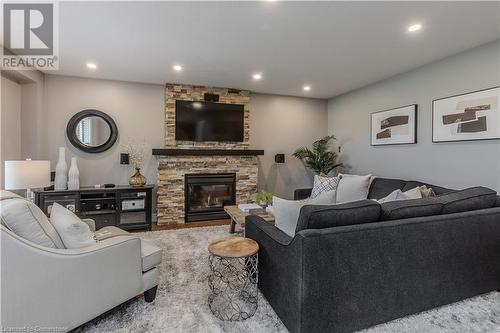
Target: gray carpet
{"type": "Point", "coordinates": [181, 303]}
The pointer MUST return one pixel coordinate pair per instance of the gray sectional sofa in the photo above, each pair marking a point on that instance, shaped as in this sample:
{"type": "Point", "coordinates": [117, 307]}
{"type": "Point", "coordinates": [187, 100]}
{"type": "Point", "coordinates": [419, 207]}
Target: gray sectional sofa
{"type": "Point", "coordinates": [355, 265]}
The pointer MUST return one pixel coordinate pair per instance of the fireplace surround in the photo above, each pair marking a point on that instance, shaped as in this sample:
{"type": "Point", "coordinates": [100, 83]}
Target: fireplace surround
{"type": "Point", "coordinates": [206, 194]}
{"type": "Point", "coordinates": [178, 158]}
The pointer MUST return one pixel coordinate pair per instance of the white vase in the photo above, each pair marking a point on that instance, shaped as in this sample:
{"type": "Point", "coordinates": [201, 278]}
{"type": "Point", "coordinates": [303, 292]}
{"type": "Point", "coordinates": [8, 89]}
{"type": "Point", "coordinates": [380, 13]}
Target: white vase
{"type": "Point", "coordinates": [73, 175]}
{"type": "Point", "coordinates": [61, 180]}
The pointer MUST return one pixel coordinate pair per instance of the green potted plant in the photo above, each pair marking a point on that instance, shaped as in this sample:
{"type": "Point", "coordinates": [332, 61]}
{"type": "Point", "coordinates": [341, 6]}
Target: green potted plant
{"type": "Point", "coordinates": [263, 198]}
{"type": "Point", "coordinates": [320, 159]}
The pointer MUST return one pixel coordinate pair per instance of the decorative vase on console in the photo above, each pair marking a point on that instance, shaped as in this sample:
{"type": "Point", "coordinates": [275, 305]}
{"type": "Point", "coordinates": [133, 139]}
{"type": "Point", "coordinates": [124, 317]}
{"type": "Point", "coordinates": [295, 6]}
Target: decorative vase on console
{"type": "Point", "coordinates": [73, 175]}
{"type": "Point", "coordinates": [137, 180]}
{"type": "Point", "coordinates": [61, 179]}
{"type": "Point", "coordinates": [136, 159]}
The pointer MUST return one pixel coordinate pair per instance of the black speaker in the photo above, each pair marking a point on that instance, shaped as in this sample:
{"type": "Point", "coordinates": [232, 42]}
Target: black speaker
{"type": "Point", "coordinates": [211, 97]}
{"type": "Point", "coordinates": [279, 158]}
{"type": "Point", "coordinates": [124, 158]}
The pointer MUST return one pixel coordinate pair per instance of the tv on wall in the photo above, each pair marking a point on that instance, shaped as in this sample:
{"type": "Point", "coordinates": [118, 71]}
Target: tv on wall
{"type": "Point", "coordinates": [208, 121]}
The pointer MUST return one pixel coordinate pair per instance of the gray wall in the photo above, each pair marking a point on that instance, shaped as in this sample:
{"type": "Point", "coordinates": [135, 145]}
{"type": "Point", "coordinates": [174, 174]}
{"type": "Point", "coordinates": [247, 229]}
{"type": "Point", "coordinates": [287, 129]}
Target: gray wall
{"type": "Point", "coordinates": [136, 108]}
{"type": "Point", "coordinates": [10, 119]}
{"type": "Point", "coordinates": [281, 124]}
{"type": "Point", "coordinates": [455, 165]}
{"type": "Point", "coordinates": [278, 124]}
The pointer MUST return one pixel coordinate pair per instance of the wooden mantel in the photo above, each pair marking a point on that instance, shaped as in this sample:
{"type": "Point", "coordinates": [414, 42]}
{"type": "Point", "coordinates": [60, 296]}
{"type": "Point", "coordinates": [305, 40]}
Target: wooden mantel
{"type": "Point", "coordinates": [206, 152]}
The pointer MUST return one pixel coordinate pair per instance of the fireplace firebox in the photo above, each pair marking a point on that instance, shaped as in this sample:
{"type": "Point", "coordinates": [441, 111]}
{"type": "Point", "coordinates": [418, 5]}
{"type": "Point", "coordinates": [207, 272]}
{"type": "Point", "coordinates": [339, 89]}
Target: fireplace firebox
{"type": "Point", "coordinates": [206, 195]}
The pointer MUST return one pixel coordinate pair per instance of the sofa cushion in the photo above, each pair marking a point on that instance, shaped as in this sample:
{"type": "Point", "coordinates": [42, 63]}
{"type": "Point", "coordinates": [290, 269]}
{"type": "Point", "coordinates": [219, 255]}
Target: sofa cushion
{"type": "Point", "coordinates": [319, 217]}
{"type": "Point", "coordinates": [110, 232]}
{"type": "Point", "coordinates": [73, 231]}
{"type": "Point", "coordinates": [150, 254]}
{"type": "Point", "coordinates": [396, 210]}
{"type": "Point", "coordinates": [473, 198]}
{"type": "Point", "coordinates": [497, 203]}
{"type": "Point", "coordinates": [382, 187]}
{"type": "Point", "coordinates": [27, 220]}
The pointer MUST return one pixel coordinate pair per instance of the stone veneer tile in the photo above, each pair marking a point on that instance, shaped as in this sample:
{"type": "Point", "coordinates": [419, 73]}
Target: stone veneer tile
{"type": "Point", "coordinates": [171, 170]}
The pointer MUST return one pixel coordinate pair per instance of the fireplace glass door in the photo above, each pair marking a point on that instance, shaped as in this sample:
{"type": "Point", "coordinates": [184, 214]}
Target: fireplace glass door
{"type": "Point", "coordinates": [207, 194]}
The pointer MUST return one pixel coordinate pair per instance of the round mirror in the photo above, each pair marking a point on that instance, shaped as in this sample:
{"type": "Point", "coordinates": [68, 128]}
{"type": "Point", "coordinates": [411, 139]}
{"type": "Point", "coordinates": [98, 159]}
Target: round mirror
{"type": "Point", "coordinates": [92, 131]}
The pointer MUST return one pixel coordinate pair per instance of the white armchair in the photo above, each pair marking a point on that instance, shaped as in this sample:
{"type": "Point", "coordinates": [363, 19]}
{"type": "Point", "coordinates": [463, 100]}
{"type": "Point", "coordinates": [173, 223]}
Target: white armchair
{"type": "Point", "coordinates": [64, 288]}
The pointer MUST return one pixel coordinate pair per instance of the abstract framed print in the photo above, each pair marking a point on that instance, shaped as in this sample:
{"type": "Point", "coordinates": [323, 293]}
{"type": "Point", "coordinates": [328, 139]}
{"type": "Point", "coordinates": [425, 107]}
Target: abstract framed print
{"type": "Point", "coordinates": [467, 117]}
{"type": "Point", "coordinates": [395, 126]}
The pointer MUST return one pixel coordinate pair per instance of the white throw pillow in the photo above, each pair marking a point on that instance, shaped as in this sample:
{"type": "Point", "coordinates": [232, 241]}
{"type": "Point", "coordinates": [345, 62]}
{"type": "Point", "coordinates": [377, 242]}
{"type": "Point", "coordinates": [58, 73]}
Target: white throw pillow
{"type": "Point", "coordinates": [286, 212]}
{"type": "Point", "coordinates": [73, 231]}
{"type": "Point", "coordinates": [324, 184]}
{"type": "Point", "coordinates": [353, 188]}
{"type": "Point", "coordinates": [397, 195]}
{"type": "Point", "coordinates": [27, 220]}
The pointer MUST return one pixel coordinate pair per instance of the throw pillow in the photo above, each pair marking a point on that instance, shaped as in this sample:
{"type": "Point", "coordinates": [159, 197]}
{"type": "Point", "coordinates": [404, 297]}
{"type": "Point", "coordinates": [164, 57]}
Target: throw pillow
{"type": "Point", "coordinates": [427, 191]}
{"type": "Point", "coordinates": [324, 184]}
{"type": "Point", "coordinates": [73, 231]}
{"type": "Point", "coordinates": [397, 195]}
{"type": "Point", "coordinates": [286, 212]}
{"type": "Point", "coordinates": [27, 220]}
{"type": "Point", "coordinates": [353, 188]}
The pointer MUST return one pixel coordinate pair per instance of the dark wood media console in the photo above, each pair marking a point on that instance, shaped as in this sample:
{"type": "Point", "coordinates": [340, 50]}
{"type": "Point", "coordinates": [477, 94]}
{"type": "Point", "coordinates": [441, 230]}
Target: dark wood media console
{"type": "Point", "coordinates": [126, 207]}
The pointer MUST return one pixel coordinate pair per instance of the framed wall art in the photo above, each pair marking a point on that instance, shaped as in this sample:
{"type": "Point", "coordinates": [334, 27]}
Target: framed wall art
{"type": "Point", "coordinates": [467, 117]}
{"type": "Point", "coordinates": [395, 126]}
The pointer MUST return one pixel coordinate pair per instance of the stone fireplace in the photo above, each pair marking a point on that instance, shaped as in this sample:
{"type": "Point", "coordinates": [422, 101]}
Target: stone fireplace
{"type": "Point", "coordinates": [180, 160]}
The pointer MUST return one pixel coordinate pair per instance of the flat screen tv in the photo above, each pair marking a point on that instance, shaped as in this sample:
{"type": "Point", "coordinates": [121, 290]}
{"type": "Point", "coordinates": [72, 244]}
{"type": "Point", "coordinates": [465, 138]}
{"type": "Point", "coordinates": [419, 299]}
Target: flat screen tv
{"type": "Point", "coordinates": [208, 121]}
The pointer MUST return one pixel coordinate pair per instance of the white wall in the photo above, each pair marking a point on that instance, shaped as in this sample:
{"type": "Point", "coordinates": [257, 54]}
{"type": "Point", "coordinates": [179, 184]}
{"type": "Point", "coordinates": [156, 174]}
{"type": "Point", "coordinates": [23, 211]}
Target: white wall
{"type": "Point", "coordinates": [281, 124]}
{"type": "Point", "coordinates": [455, 165]}
{"type": "Point", "coordinates": [137, 109]}
{"type": "Point", "coordinates": [10, 120]}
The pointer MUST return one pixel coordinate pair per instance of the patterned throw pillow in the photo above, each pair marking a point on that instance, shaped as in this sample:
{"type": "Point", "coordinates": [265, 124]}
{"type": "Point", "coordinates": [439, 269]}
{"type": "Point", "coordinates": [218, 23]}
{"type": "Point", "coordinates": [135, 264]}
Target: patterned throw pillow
{"type": "Point", "coordinates": [324, 184]}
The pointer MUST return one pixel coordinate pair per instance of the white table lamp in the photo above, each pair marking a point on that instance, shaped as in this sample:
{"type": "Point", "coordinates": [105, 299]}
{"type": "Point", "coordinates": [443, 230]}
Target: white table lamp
{"type": "Point", "coordinates": [27, 174]}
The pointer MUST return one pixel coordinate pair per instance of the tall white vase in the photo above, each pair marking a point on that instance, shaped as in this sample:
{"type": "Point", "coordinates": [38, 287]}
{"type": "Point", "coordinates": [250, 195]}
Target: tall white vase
{"type": "Point", "coordinates": [61, 180]}
{"type": "Point", "coordinates": [73, 175]}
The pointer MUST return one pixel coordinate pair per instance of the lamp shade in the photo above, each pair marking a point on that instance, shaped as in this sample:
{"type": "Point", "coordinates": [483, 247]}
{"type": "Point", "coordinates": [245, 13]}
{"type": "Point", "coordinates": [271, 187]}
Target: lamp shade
{"type": "Point", "coordinates": [20, 175]}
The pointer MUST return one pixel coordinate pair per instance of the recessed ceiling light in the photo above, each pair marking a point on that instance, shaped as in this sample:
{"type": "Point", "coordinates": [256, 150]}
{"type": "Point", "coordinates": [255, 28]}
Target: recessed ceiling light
{"type": "Point", "coordinates": [414, 27]}
{"type": "Point", "coordinates": [177, 68]}
{"type": "Point", "coordinates": [307, 88]}
{"type": "Point", "coordinates": [257, 76]}
{"type": "Point", "coordinates": [91, 65]}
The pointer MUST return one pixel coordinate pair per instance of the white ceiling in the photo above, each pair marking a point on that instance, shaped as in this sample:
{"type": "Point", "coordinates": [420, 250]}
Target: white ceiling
{"type": "Point", "coordinates": [333, 46]}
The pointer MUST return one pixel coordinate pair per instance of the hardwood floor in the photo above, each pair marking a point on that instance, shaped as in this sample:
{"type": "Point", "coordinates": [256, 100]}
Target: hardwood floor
{"type": "Point", "coordinates": [191, 225]}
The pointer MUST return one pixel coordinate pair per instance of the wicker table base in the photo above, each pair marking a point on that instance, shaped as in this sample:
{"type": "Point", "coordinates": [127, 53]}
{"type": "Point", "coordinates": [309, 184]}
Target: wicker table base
{"type": "Point", "coordinates": [233, 281]}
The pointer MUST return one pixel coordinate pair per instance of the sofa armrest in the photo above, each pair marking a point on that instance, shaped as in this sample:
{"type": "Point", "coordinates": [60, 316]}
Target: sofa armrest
{"type": "Point", "coordinates": [268, 230]}
{"type": "Point", "coordinates": [302, 193]}
{"type": "Point", "coordinates": [90, 223]}
{"type": "Point", "coordinates": [44, 287]}
{"type": "Point", "coordinates": [280, 268]}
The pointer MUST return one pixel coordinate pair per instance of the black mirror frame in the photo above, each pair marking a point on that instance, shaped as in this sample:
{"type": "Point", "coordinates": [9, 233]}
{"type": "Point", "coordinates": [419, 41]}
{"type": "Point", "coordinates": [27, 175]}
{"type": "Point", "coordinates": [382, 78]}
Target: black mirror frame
{"type": "Point", "coordinates": [71, 131]}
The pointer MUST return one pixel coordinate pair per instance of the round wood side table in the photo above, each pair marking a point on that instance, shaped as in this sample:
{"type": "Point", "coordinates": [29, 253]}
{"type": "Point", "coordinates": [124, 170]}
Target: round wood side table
{"type": "Point", "coordinates": [233, 280]}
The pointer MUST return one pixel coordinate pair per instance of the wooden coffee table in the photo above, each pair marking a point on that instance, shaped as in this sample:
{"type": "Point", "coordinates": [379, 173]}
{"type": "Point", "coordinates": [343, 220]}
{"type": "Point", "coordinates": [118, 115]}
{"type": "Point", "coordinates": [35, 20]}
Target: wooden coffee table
{"type": "Point", "coordinates": [238, 217]}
